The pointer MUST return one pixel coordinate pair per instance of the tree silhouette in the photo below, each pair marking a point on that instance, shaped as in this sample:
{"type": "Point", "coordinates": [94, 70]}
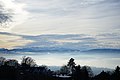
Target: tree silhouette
{"type": "Point", "coordinates": [82, 73]}
{"type": "Point", "coordinates": [10, 69]}
{"type": "Point", "coordinates": [77, 73]}
{"type": "Point", "coordinates": [12, 62]}
{"type": "Point", "coordinates": [71, 64]}
{"type": "Point", "coordinates": [64, 70]}
{"type": "Point", "coordinates": [2, 61]}
{"type": "Point", "coordinates": [28, 62]}
{"type": "Point", "coordinates": [116, 74]}
{"type": "Point", "coordinates": [103, 76]}
{"type": "Point", "coordinates": [88, 71]}
{"type": "Point", "coordinates": [5, 15]}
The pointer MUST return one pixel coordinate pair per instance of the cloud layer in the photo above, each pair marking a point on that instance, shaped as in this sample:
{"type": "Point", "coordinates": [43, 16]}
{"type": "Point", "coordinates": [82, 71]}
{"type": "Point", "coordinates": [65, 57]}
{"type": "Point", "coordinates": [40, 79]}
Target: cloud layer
{"type": "Point", "coordinates": [76, 41]}
{"type": "Point", "coordinates": [11, 41]}
{"type": "Point", "coordinates": [71, 41]}
{"type": "Point", "coordinates": [71, 16]}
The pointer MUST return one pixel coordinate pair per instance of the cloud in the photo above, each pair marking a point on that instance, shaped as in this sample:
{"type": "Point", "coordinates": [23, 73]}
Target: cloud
{"type": "Point", "coordinates": [108, 40]}
{"type": "Point", "coordinates": [11, 41]}
{"type": "Point", "coordinates": [70, 16]}
{"type": "Point", "coordinates": [58, 7]}
{"type": "Point", "coordinates": [71, 41]}
{"type": "Point", "coordinates": [76, 41]}
{"type": "Point", "coordinates": [19, 14]}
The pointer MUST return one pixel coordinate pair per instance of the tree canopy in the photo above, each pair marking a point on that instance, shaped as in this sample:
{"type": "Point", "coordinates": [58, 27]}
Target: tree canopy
{"type": "Point", "coordinates": [10, 69]}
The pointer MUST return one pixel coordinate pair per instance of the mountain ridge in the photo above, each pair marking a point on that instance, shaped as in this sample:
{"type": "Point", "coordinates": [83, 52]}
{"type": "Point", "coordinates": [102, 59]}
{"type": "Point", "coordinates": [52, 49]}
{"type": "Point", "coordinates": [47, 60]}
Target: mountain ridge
{"type": "Point", "coordinates": [57, 49]}
{"type": "Point", "coordinates": [39, 49]}
{"type": "Point", "coordinates": [103, 50]}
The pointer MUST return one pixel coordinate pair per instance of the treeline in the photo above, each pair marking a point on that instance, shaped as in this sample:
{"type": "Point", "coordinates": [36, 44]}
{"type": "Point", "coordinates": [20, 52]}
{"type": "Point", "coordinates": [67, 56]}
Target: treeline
{"type": "Point", "coordinates": [10, 69]}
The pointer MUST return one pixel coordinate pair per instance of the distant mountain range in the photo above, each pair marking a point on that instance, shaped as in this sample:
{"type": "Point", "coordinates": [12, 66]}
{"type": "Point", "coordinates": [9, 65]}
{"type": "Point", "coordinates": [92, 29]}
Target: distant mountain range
{"type": "Point", "coordinates": [58, 49]}
{"type": "Point", "coordinates": [104, 50]}
{"type": "Point", "coordinates": [39, 49]}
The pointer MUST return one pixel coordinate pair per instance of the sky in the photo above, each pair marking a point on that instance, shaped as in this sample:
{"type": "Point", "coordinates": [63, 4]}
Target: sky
{"type": "Point", "coordinates": [97, 20]}
{"type": "Point", "coordinates": [70, 16]}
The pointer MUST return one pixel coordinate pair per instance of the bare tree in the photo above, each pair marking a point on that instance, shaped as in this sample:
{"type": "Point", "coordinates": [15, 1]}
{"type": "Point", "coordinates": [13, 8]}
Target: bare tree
{"type": "Point", "coordinates": [28, 61]}
{"type": "Point", "coordinates": [5, 15]}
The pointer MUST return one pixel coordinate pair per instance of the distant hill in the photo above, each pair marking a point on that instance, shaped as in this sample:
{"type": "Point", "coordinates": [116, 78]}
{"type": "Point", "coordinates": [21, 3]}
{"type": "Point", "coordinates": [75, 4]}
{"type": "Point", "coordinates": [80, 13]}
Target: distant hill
{"type": "Point", "coordinates": [39, 49]}
{"type": "Point", "coordinates": [58, 49]}
{"type": "Point", "coordinates": [96, 70]}
{"type": "Point", "coordinates": [104, 50]}
{"type": "Point", "coordinates": [3, 49]}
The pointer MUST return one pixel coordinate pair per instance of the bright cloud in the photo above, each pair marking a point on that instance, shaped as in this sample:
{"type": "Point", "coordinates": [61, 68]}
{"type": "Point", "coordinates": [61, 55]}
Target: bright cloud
{"type": "Point", "coordinates": [71, 16]}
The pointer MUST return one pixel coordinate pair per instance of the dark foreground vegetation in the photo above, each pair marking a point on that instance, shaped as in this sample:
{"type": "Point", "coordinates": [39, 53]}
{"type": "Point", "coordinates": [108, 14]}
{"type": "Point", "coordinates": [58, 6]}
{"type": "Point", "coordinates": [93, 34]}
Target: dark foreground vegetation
{"type": "Point", "coordinates": [10, 69]}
